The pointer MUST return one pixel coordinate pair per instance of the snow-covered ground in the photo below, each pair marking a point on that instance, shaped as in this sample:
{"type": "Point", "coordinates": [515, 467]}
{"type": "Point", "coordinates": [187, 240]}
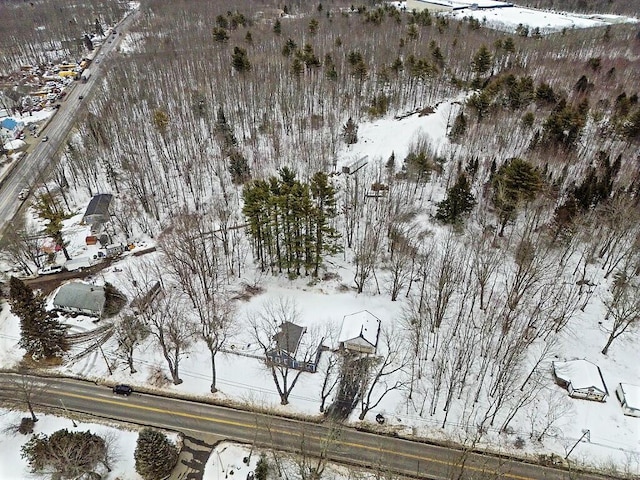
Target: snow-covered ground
{"type": "Point", "coordinates": [13, 467]}
{"type": "Point", "coordinates": [499, 16]}
{"type": "Point", "coordinates": [613, 438]}
{"type": "Point", "coordinates": [26, 119]}
{"type": "Point", "coordinates": [33, 117]}
{"type": "Point", "coordinates": [508, 19]}
{"type": "Point", "coordinates": [227, 461]}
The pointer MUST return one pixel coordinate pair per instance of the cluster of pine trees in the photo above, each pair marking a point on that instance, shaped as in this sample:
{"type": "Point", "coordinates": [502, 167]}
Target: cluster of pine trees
{"type": "Point", "coordinates": [290, 221]}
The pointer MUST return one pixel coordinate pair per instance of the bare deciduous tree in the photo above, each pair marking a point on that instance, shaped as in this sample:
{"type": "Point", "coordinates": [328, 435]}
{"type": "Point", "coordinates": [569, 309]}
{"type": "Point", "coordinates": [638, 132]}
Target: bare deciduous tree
{"type": "Point", "coordinates": [130, 331]}
{"type": "Point", "coordinates": [623, 307]}
{"type": "Point", "coordinates": [386, 372]}
{"type": "Point", "coordinates": [546, 414]}
{"type": "Point", "coordinates": [25, 389]}
{"type": "Point", "coordinates": [21, 246]}
{"type": "Point", "coordinates": [265, 326]}
{"type": "Point", "coordinates": [173, 331]}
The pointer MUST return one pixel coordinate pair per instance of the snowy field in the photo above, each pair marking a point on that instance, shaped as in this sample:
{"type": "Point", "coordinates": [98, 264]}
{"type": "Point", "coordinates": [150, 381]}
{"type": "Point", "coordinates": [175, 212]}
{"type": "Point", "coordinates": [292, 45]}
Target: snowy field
{"type": "Point", "coordinates": [508, 19]}
{"type": "Point", "coordinates": [494, 14]}
{"type": "Point", "coordinates": [613, 438]}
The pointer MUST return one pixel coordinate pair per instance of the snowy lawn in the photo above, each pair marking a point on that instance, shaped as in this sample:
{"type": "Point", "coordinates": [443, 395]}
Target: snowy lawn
{"type": "Point", "coordinates": [13, 467]}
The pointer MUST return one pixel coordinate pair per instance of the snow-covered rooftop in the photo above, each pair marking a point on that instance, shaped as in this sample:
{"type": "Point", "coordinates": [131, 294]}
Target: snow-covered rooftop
{"type": "Point", "coordinates": [80, 295]}
{"type": "Point", "coordinates": [14, 144]}
{"type": "Point", "coordinates": [582, 374]}
{"type": "Point", "coordinates": [631, 395]}
{"type": "Point", "coordinates": [362, 324]}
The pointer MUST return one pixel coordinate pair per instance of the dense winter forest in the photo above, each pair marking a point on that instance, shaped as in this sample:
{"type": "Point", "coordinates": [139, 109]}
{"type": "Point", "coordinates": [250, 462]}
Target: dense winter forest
{"type": "Point", "coordinates": [218, 127]}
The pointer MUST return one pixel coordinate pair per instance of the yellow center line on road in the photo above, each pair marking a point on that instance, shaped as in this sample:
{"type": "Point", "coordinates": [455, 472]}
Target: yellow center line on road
{"type": "Point", "coordinates": [293, 434]}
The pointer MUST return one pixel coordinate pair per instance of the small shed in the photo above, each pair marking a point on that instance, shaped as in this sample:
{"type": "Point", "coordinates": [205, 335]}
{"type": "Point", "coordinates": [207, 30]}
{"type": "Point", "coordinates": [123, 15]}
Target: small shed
{"type": "Point", "coordinates": [77, 297]}
{"type": "Point", "coordinates": [629, 398]}
{"type": "Point", "coordinates": [582, 379]}
{"type": "Point", "coordinates": [98, 209]}
{"type": "Point", "coordinates": [359, 332]}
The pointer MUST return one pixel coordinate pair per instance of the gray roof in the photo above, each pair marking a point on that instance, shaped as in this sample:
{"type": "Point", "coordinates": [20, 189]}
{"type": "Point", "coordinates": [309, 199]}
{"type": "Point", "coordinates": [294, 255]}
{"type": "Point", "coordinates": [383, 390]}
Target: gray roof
{"type": "Point", "coordinates": [288, 338]}
{"type": "Point", "coordinates": [98, 208]}
{"type": "Point", "coordinates": [81, 296]}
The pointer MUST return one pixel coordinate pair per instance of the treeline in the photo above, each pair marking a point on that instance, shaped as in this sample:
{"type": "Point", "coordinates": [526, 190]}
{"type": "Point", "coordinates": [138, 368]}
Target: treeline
{"type": "Point", "coordinates": [290, 222]}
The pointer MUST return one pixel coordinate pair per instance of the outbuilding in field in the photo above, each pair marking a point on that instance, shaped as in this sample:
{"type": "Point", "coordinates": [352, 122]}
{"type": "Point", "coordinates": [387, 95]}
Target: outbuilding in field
{"type": "Point", "coordinates": [629, 398]}
{"type": "Point", "coordinates": [359, 332]}
{"type": "Point", "coordinates": [582, 379]}
{"type": "Point", "coordinates": [77, 297]}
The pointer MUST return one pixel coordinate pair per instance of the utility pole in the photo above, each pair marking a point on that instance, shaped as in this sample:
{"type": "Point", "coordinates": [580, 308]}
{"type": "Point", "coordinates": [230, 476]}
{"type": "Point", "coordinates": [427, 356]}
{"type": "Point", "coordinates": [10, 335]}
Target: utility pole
{"type": "Point", "coordinates": [68, 414]}
{"type": "Point", "coordinates": [105, 359]}
{"type": "Point", "coordinates": [585, 433]}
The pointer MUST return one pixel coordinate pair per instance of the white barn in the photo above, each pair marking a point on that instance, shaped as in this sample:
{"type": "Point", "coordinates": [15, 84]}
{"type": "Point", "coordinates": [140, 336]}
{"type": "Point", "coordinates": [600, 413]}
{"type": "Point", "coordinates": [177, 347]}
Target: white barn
{"type": "Point", "coordinates": [629, 398]}
{"type": "Point", "coordinates": [582, 379]}
{"type": "Point", "coordinates": [359, 332]}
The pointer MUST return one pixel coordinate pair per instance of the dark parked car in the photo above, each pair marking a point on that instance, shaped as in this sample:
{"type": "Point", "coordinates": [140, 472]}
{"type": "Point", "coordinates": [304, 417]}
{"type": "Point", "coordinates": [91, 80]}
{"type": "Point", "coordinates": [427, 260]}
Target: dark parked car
{"type": "Point", "coordinates": [125, 390]}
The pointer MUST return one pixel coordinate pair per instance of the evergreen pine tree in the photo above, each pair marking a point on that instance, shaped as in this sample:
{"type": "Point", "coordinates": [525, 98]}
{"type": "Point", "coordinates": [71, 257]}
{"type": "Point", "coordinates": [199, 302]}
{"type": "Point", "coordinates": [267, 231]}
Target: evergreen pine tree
{"type": "Point", "coordinates": [42, 335]}
{"type": "Point", "coordinates": [240, 61]}
{"type": "Point", "coordinates": [482, 61]}
{"type": "Point", "coordinates": [459, 202]}
{"type": "Point", "coordinates": [391, 163]}
{"type": "Point", "coordinates": [324, 210]}
{"type": "Point", "coordinates": [220, 35]}
{"type": "Point", "coordinates": [459, 127]}
{"type": "Point", "coordinates": [515, 182]}
{"type": "Point", "coordinates": [88, 43]}
{"type": "Point", "coordinates": [289, 47]}
{"type": "Point", "coordinates": [155, 455]}
{"type": "Point", "coordinates": [262, 468]}
{"type": "Point", "coordinates": [224, 131]}
{"type": "Point", "coordinates": [98, 28]}
{"type": "Point", "coordinates": [277, 27]}
{"type": "Point", "coordinates": [239, 167]}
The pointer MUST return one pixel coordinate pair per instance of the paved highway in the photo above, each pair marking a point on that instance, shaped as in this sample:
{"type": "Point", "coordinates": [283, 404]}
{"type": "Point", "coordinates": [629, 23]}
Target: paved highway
{"type": "Point", "coordinates": [27, 172]}
{"type": "Point", "coordinates": [344, 445]}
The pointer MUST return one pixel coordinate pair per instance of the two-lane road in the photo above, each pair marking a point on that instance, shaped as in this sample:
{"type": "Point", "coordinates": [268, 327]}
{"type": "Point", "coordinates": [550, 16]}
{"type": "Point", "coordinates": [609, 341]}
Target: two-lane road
{"type": "Point", "coordinates": [29, 169]}
{"type": "Point", "coordinates": [345, 445]}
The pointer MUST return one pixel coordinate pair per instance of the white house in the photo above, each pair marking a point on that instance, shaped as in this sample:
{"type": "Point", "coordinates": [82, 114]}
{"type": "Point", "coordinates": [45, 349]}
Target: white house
{"type": "Point", "coordinates": [629, 397]}
{"type": "Point", "coordinates": [582, 379]}
{"type": "Point", "coordinates": [359, 332]}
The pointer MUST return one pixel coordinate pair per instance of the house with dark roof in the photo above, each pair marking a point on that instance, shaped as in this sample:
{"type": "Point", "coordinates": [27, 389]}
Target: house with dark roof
{"type": "Point", "coordinates": [77, 297]}
{"type": "Point", "coordinates": [286, 343]}
{"type": "Point", "coordinates": [98, 209]}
